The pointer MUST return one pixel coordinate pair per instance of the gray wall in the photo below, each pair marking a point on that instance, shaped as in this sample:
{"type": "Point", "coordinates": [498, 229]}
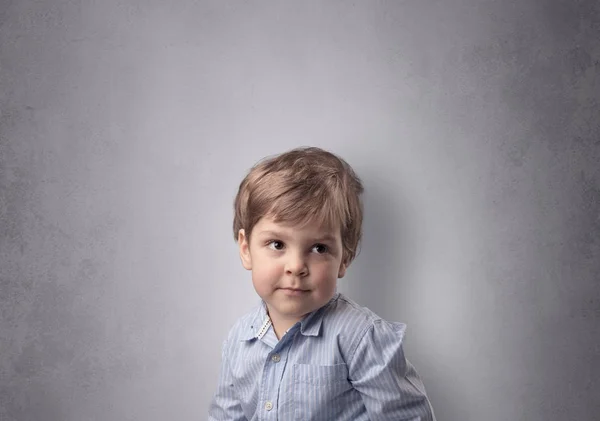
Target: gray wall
{"type": "Point", "coordinates": [127, 125]}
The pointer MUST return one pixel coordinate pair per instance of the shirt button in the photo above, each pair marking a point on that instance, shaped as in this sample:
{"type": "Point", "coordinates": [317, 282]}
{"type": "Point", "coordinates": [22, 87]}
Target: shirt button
{"type": "Point", "coordinates": [268, 405]}
{"type": "Point", "coordinates": [276, 358]}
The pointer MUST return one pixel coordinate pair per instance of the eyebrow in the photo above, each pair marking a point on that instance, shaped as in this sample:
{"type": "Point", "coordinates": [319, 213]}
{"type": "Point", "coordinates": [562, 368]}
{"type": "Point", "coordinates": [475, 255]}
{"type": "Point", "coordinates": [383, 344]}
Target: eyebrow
{"type": "Point", "coordinates": [324, 238]}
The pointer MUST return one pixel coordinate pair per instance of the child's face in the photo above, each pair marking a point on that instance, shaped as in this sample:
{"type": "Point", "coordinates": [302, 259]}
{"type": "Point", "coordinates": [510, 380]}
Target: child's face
{"type": "Point", "coordinates": [294, 269]}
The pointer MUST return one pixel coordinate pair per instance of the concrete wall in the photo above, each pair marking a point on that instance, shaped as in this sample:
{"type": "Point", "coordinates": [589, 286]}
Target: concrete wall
{"type": "Point", "coordinates": [126, 127]}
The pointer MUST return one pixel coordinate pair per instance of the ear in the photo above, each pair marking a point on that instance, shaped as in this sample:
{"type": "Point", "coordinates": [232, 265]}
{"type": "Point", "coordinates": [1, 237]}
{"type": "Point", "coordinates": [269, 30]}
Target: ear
{"type": "Point", "coordinates": [244, 250]}
{"type": "Point", "coordinates": [342, 270]}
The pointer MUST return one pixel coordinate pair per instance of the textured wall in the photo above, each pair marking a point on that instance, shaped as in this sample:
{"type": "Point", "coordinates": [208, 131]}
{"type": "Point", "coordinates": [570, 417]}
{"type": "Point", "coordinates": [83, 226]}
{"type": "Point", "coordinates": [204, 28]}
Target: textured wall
{"type": "Point", "coordinates": [126, 126]}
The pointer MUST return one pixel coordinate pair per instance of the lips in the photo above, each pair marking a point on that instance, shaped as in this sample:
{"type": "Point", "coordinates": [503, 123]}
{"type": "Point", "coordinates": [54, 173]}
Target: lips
{"type": "Point", "coordinates": [294, 291]}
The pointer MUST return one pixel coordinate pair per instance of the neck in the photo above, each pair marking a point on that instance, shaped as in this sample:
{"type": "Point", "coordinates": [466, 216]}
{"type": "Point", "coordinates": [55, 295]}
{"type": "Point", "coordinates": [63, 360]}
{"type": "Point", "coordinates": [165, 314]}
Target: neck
{"type": "Point", "coordinates": [281, 328]}
{"type": "Point", "coordinates": [282, 324]}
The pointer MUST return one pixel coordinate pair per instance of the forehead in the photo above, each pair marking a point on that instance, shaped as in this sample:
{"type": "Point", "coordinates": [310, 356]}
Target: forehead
{"type": "Point", "coordinates": [311, 228]}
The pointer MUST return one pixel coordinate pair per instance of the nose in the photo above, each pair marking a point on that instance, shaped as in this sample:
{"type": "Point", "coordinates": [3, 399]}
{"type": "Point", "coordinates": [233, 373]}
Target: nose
{"type": "Point", "coordinates": [296, 265]}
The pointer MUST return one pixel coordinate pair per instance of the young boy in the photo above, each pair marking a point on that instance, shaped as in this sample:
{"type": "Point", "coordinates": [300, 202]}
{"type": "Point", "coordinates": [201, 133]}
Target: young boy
{"type": "Point", "coordinates": [308, 352]}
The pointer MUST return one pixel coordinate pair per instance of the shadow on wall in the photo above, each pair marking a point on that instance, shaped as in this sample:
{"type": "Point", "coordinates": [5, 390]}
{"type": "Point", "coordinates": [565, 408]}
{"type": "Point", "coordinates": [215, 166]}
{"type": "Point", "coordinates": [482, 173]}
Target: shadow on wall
{"type": "Point", "coordinates": [382, 279]}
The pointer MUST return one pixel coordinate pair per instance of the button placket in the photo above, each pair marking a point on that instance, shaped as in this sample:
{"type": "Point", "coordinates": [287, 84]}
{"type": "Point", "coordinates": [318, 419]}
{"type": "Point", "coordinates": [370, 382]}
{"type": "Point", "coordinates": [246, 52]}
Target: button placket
{"type": "Point", "coordinates": [272, 375]}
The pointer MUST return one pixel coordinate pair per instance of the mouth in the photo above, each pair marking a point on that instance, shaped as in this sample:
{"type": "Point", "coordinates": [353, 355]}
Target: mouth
{"type": "Point", "coordinates": [294, 291]}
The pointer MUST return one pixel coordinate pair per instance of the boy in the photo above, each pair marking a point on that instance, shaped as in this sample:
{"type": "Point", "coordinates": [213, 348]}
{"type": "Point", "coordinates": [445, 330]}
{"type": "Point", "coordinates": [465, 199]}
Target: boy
{"type": "Point", "coordinates": [308, 352]}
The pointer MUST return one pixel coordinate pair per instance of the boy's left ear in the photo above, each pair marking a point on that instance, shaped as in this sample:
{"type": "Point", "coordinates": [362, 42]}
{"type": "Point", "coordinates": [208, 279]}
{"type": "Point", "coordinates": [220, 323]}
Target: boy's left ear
{"type": "Point", "coordinates": [342, 270]}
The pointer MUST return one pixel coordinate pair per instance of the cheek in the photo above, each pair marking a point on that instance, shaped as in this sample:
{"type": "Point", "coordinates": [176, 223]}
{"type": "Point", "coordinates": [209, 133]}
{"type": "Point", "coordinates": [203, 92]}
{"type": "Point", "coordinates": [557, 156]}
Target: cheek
{"type": "Point", "coordinates": [326, 274]}
{"type": "Point", "coordinates": [265, 272]}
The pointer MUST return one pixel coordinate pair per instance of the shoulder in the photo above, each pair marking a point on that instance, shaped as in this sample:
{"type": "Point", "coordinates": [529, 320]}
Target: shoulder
{"type": "Point", "coordinates": [353, 322]}
{"type": "Point", "coordinates": [345, 312]}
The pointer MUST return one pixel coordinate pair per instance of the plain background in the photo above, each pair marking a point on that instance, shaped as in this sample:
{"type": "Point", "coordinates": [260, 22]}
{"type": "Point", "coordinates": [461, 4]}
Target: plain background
{"type": "Point", "coordinates": [126, 127]}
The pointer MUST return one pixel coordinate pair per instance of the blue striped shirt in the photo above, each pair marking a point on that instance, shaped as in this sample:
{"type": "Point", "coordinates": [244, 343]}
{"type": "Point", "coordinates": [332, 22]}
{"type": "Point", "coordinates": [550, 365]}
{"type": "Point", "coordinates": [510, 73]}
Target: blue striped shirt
{"type": "Point", "coordinates": [341, 362]}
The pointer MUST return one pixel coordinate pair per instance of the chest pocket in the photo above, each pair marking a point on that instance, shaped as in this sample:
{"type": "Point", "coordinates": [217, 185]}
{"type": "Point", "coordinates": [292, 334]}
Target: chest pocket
{"type": "Point", "coordinates": [321, 392]}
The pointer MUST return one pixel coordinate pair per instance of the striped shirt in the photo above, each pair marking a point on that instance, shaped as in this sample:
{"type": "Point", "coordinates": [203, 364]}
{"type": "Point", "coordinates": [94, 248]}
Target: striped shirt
{"type": "Point", "coordinates": [341, 362]}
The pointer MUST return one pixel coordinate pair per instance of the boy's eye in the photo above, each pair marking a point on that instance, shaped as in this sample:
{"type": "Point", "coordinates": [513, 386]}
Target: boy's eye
{"type": "Point", "coordinates": [276, 245]}
{"type": "Point", "coordinates": [320, 248]}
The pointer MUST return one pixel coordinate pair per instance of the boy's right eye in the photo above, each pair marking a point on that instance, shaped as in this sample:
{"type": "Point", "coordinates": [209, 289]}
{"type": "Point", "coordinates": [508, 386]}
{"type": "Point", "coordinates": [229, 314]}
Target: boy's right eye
{"type": "Point", "coordinates": [276, 245]}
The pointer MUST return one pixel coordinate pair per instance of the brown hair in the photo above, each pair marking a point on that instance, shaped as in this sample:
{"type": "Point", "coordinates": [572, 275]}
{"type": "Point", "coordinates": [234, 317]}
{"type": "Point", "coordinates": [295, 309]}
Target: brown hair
{"type": "Point", "coordinates": [299, 186]}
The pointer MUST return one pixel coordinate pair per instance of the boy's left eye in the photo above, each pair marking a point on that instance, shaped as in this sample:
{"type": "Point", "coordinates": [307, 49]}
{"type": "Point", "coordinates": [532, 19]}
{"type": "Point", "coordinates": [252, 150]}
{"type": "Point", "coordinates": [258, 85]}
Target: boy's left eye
{"type": "Point", "coordinates": [320, 248]}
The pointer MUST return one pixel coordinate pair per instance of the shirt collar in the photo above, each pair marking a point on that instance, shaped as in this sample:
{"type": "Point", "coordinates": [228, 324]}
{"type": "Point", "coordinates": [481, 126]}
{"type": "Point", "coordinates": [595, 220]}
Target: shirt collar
{"type": "Point", "coordinates": [259, 318]}
{"type": "Point", "coordinates": [309, 326]}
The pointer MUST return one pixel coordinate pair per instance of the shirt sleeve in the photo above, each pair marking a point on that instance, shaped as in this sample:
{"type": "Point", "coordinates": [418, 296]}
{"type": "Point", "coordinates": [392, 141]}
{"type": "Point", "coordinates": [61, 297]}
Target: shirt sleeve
{"type": "Point", "coordinates": [225, 405]}
{"type": "Point", "coordinates": [389, 385]}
